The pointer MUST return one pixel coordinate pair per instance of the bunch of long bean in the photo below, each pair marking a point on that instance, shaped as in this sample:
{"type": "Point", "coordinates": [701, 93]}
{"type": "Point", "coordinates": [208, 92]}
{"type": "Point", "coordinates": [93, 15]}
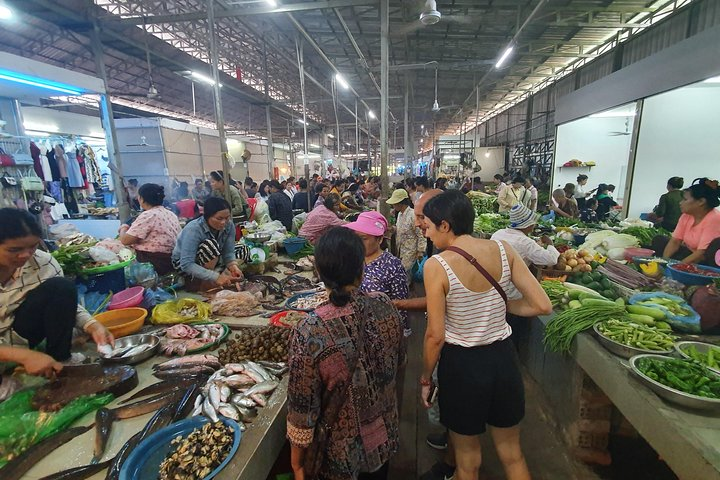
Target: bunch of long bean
{"type": "Point", "coordinates": [560, 331]}
{"type": "Point", "coordinates": [555, 291]}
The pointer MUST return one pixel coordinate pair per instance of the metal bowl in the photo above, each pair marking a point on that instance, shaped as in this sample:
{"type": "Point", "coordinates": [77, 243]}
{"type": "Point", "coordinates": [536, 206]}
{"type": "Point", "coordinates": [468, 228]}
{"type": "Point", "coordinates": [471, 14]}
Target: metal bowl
{"type": "Point", "coordinates": [133, 340]}
{"type": "Point", "coordinates": [699, 346]}
{"type": "Point", "coordinates": [670, 394]}
{"type": "Point", "coordinates": [622, 350]}
{"type": "Point", "coordinates": [258, 237]}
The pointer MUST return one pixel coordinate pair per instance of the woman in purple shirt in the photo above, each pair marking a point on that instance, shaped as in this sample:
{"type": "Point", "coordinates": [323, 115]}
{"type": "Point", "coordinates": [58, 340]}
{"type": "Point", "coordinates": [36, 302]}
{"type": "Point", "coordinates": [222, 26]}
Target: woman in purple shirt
{"type": "Point", "coordinates": [383, 271]}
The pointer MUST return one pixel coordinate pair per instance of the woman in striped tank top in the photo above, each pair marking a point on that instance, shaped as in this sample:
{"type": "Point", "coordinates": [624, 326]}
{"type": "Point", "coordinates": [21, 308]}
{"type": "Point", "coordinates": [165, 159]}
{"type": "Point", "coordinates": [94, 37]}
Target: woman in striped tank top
{"type": "Point", "coordinates": [479, 381]}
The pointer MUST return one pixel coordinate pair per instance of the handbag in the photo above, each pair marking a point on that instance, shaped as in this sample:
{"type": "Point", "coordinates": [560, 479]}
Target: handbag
{"type": "Point", "coordinates": [8, 180]}
{"type": "Point", "coordinates": [6, 160]}
{"type": "Point", "coordinates": [332, 402]}
{"type": "Point", "coordinates": [32, 183]}
{"type": "Point", "coordinates": [23, 159]}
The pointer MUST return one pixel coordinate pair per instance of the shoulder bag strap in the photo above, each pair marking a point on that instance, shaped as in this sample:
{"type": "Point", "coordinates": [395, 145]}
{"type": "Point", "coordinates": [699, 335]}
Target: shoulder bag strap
{"type": "Point", "coordinates": [480, 269]}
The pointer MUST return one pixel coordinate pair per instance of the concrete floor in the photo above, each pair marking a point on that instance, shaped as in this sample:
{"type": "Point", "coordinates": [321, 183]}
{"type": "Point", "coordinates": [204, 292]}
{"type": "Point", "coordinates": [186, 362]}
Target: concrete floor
{"type": "Point", "coordinates": [547, 456]}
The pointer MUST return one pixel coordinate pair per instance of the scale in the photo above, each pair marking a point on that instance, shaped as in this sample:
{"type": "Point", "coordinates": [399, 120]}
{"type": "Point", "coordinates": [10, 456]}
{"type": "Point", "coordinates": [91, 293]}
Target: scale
{"type": "Point", "coordinates": [259, 252]}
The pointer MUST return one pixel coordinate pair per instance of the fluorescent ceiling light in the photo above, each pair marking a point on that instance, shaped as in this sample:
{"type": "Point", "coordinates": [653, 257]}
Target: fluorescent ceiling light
{"type": "Point", "coordinates": [422, 127]}
{"type": "Point", "coordinates": [712, 80]}
{"type": "Point", "coordinates": [301, 121]}
{"type": "Point", "coordinates": [371, 114]}
{"type": "Point", "coordinates": [5, 13]}
{"type": "Point", "coordinates": [348, 144]}
{"type": "Point", "coordinates": [272, 3]}
{"type": "Point", "coordinates": [203, 78]}
{"type": "Point", "coordinates": [504, 56]}
{"type": "Point", "coordinates": [330, 135]}
{"type": "Point", "coordinates": [41, 127]}
{"type": "Point", "coordinates": [232, 141]}
{"type": "Point", "coordinates": [312, 145]}
{"type": "Point", "coordinates": [341, 80]}
{"type": "Point", "coordinates": [39, 82]}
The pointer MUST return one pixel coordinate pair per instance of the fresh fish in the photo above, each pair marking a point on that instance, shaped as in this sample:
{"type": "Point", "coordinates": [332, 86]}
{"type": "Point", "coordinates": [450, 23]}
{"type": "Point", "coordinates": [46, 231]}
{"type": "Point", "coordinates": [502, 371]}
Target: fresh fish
{"type": "Point", "coordinates": [259, 398]}
{"type": "Point", "coordinates": [242, 426]}
{"type": "Point", "coordinates": [120, 352]}
{"type": "Point", "coordinates": [225, 393]}
{"type": "Point", "coordinates": [209, 411]}
{"type": "Point", "coordinates": [241, 400]}
{"type": "Point", "coordinates": [229, 411]}
{"type": "Point", "coordinates": [104, 419]}
{"type": "Point", "coordinates": [186, 403]}
{"type": "Point", "coordinates": [200, 371]}
{"type": "Point", "coordinates": [142, 407]}
{"type": "Point", "coordinates": [157, 388]}
{"type": "Point", "coordinates": [210, 360]}
{"type": "Point", "coordinates": [263, 387]}
{"type": "Point", "coordinates": [105, 350]}
{"type": "Point", "coordinates": [235, 367]}
{"type": "Point", "coordinates": [254, 375]}
{"type": "Point", "coordinates": [264, 373]}
{"type": "Point", "coordinates": [18, 466]}
{"type": "Point", "coordinates": [137, 349]}
{"type": "Point", "coordinates": [214, 395]}
{"type": "Point", "coordinates": [248, 414]}
{"type": "Point", "coordinates": [239, 380]}
{"type": "Point", "coordinates": [79, 473]}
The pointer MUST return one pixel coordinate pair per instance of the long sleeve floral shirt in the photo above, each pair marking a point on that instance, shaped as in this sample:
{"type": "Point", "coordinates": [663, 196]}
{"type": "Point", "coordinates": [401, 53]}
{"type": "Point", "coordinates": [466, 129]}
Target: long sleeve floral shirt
{"type": "Point", "coordinates": [411, 242]}
{"type": "Point", "coordinates": [324, 356]}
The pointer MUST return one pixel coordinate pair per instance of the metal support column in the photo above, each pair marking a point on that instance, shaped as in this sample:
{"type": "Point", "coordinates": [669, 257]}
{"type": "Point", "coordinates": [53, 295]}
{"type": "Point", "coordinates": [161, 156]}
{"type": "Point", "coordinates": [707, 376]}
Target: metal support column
{"type": "Point", "coordinates": [408, 147]}
{"type": "Point", "coordinates": [106, 117]}
{"type": "Point", "coordinates": [301, 69]}
{"type": "Point", "coordinates": [219, 118]}
{"type": "Point", "coordinates": [384, 80]}
{"type": "Point", "coordinates": [357, 137]}
{"type": "Point", "coordinates": [271, 150]}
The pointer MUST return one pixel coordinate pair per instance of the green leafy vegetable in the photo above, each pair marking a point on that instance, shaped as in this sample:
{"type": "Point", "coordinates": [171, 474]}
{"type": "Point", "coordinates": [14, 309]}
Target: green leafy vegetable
{"type": "Point", "coordinates": [490, 223]}
{"type": "Point", "coordinates": [72, 258]}
{"type": "Point", "coordinates": [645, 235]}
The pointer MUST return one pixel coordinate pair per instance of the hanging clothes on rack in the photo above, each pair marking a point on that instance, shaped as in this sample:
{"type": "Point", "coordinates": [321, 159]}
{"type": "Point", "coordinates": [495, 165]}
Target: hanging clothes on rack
{"type": "Point", "coordinates": [52, 161]}
{"type": "Point", "coordinates": [45, 164]}
{"type": "Point", "coordinates": [37, 164]}
{"type": "Point", "coordinates": [75, 177]}
{"type": "Point", "coordinates": [61, 161]}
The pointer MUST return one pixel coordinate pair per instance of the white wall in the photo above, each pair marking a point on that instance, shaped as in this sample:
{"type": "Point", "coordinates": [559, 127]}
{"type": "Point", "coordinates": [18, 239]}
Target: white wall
{"type": "Point", "coordinates": [588, 140]}
{"type": "Point", "coordinates": [679, 136]}
{"type": "Point", "coordinates": [491, 160]}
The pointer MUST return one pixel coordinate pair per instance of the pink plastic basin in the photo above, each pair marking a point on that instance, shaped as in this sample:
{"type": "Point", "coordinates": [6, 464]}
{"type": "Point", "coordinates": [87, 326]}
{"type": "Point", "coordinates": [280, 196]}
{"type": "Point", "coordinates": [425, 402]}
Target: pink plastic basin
{"type": "Point", "coordinates": [128, 298]}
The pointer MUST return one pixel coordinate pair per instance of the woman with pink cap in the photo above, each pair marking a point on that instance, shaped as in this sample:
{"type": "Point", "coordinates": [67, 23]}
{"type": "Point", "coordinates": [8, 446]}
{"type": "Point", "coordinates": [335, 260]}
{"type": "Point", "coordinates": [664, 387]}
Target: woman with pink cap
{"type": "Point", "coordinates": [383, 271]}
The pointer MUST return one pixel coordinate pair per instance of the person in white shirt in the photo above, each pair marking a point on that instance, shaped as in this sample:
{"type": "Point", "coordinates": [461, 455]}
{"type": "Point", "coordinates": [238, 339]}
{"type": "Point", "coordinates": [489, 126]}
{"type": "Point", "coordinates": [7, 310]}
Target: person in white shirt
{"type": "Point", "coordinates": [530, 188]}
{"type": "Point", "coordinates": [512, 195]}
{"type": "Point", "coordinates": [499, 183]}
{"type": "Point", "coordinates": [522, 222]}
{"type": "Point", "coordinates": [581, 193]}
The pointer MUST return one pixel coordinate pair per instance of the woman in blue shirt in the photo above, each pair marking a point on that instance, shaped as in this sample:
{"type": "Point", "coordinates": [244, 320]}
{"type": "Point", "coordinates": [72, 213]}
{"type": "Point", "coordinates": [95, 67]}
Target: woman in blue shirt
{"type": "Point", "coordinates": [205, 249]}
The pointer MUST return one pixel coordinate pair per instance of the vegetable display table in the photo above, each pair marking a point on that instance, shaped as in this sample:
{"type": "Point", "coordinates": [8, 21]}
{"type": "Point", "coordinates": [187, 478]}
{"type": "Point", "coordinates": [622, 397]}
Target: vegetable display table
{"type": "Point", "coordinates": [688, 441]}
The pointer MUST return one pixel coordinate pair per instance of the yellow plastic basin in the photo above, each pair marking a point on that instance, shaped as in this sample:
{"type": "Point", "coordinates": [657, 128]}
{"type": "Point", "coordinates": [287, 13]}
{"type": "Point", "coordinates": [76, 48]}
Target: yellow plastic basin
{"type": "Point", "coordinates": [124, 321]}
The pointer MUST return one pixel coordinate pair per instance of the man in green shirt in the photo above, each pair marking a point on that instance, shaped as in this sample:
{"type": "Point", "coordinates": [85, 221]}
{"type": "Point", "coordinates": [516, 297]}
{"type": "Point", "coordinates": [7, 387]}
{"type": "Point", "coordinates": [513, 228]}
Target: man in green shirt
{"type": "Point", "coordinates": [667, 212]}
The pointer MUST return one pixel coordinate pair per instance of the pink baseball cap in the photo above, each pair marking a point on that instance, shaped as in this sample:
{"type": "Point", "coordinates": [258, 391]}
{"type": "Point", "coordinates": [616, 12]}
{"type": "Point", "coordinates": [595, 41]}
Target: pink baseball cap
{"type": "Point", "coordinates": [369, 223]}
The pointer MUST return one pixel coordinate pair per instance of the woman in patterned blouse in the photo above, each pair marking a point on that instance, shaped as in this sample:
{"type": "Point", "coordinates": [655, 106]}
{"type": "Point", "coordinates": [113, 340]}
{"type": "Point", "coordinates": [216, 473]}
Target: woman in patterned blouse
{"type": "Point", "coordinates": [384, 272]}
{"type": "Point", "coordinates": [344, 360]}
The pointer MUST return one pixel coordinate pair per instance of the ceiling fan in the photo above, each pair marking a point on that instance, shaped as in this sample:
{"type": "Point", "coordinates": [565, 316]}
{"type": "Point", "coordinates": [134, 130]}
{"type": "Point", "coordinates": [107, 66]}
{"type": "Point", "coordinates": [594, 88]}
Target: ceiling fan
{"type": "Point", "coordinates": [436, 106]}
{"type": "Point", "coordinates": [143, 141]}
{"type": "Point", "coordinates": [626, 132]}
{"type": "Point", "coordinates": [430, 15]}
{"type": "Point", "coordinates": [152, 92]}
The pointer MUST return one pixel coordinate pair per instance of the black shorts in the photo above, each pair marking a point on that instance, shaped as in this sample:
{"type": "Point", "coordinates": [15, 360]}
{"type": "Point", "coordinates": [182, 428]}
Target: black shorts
{"type": "Point", "coordinates": [480, 386]}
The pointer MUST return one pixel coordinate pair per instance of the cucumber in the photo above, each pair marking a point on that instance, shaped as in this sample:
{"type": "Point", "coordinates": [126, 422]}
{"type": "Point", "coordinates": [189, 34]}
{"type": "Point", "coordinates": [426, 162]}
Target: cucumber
{"type": "Point", "coordinates": [588, 302]}
{"type": "Point", "coordinates": [655, 313]}
{"type": "Point", "coordinates": [574, 294]}
{"type": "Point", "coordinates": [641, 319]}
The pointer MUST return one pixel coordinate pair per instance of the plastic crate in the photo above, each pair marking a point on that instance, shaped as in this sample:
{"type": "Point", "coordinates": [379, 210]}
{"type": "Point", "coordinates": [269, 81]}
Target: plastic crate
{"type": "Point", "coordinates": [112, 281]}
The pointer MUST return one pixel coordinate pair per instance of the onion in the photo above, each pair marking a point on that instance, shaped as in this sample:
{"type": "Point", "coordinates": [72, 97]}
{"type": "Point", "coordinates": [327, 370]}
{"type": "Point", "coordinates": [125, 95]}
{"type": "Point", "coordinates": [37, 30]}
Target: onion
{"type": "Point", "coordinates": [572, 262]}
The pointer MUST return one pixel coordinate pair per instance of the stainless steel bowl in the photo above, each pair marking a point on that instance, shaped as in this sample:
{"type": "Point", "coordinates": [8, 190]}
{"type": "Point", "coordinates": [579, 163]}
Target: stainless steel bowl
{"type": "Point", "coordinates": [670, 394]}
{"type": "Point", "coordinates": [258, 237]}
{"type": "Point", "coordinates": [133, 340]}
{"type": "Point", "coordinates": [621, 350]}
{"type": "Point", "coordinates": [701, 347]}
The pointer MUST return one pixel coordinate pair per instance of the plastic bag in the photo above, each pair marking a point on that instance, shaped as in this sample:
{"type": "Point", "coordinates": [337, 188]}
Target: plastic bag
{"type": "Point", "coordinates": [142, 274]}
{"type": "Point", "coordinates": [103, 255]}
{"type": "Point", "coordinates": [183, 310]}
{"type": "Point", "coordinates": [262, 212]}
{"type": "Point", "coordinates": [685, 323]}
{"type": "Point", "coordinates": [298, 221]}
{"type": "Point", "coordinates": [153, 297]}
{"type": "Point", "coordinates": [21, 427]}
{"type": "Point", "coordinates": [418, 268]}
